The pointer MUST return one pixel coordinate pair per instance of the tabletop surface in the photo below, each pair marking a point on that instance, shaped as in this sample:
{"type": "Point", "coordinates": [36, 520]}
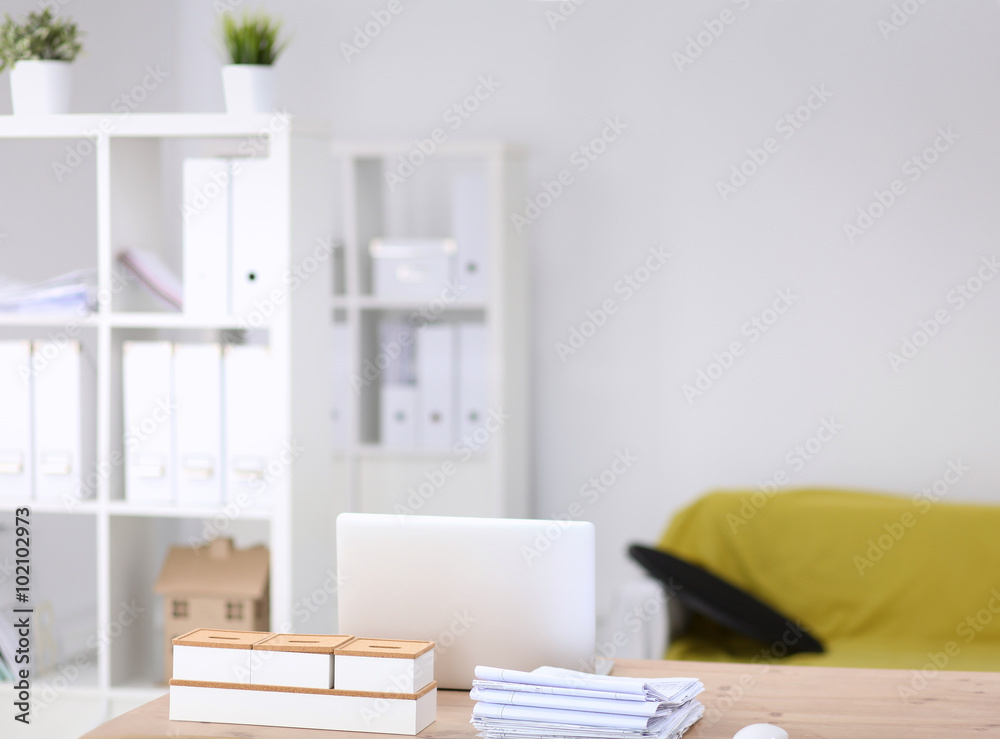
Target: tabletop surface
{"type": "Point", "coordinates": [808, 702]}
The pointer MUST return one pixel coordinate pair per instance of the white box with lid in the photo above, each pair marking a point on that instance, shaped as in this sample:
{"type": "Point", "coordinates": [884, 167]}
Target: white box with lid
{"type": "Point", "coordinates": [296, 660]}
{"type": "Point", "coordinates": [413, 268]}
{"type": "Point", "coordinates": [216, 655]}
{"type": "Point", "coordinates": [384, 665]}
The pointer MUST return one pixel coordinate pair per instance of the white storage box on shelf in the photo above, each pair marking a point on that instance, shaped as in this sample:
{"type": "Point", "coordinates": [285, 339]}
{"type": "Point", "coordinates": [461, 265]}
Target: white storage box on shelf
{"type": "Point", "coordinates": [216, 655]}
{"type": "Point", "coordinates": [296, 660]}
{"type": "Point", "coordinates": [196, 696]}
{"type": "Point", "coordinates": [412, 268]}
{"type": "Point", "coordinates": [384, 665]}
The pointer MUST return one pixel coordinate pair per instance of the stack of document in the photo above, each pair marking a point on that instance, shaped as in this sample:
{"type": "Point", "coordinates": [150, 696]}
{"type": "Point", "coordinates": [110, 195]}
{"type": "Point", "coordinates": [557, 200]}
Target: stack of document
{"type": "Point", "coordinates": [555, 703]}
{"type": "Point", "coordinates": [75, 292]}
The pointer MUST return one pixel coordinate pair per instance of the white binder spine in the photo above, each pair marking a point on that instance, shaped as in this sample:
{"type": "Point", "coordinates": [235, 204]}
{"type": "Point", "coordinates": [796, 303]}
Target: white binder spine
{"type": "Point", "coordinates": [56, 415]}
{"type": "Point", "coordinates": [16, 462]}
{"type": "Point", "coordinates": [472, 381]}
{"type": "Point", "coordinates": [253, 449]}
{"type": "Point", "coordinates": [398, 416]}
{"type": "Point", "coordinates": [436, 382]}
{"type": "Point", "coordinates": [207, 236]}
{"type": "Point", "coordinates": [257, 238]}
{"type": "Point", "coordinates": [471, 228]}
{"type": "Point", "coordinates": [147, 384]}
{"type": "Point", "coordinates": [198, 430]}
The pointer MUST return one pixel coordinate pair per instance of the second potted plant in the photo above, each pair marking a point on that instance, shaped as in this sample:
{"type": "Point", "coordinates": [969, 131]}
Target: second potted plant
{"type": "Point", "coordinates": [252, 47]}
{"type": "Point", "coordinates": [39, 52]}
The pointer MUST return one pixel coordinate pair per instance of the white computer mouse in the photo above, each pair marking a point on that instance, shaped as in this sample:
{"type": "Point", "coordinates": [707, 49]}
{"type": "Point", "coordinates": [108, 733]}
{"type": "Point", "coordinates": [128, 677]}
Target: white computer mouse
{"type": "Point", "coordinates": [761, 731]}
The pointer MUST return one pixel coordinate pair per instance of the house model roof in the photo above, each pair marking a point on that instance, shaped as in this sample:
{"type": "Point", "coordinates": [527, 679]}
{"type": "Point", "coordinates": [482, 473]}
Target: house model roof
{"type": "Point", "coordinates": [215, 569]}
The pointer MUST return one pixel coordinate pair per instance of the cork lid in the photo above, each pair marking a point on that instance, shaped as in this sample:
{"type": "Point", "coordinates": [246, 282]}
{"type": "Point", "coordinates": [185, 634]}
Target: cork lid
{"type": "Point", "coordinates": [309, 643]}
{"type": "Point", "coordinates": [221, 638]}
{"type": "Point", "coordinates": [398, 648]}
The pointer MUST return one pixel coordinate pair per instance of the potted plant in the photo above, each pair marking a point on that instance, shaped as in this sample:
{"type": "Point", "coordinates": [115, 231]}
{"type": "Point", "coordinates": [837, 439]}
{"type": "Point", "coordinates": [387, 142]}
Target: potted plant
{"type": "Point", "coordinates": [252, 47]}
{"type": "Point", "coordinates": [38, 52]}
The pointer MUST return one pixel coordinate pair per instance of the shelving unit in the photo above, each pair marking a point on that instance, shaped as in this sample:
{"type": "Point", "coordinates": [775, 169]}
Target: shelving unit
{"type": "Point", "coordinates": [129, 185]}
{"type": "Point", "coordinates": [493, 480]}
{"type": "Point", "coordinates": [126, 192]}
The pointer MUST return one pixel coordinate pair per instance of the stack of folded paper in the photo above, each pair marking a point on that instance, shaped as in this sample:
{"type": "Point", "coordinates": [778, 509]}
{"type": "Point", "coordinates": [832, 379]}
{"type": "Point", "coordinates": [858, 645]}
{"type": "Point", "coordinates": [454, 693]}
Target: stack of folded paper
{"type": "Point", "coordinates": [552, 702]}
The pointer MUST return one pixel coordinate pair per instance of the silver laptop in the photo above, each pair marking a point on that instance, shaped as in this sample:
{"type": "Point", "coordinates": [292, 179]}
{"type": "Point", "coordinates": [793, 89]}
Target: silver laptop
{"type": "Point", "coordinates": [511, 593]}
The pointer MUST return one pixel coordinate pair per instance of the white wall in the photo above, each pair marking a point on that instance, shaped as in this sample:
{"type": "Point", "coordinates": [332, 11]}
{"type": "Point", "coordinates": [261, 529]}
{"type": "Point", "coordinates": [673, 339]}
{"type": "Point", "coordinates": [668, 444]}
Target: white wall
{"type": "Point", "coordinates": [656, 186]}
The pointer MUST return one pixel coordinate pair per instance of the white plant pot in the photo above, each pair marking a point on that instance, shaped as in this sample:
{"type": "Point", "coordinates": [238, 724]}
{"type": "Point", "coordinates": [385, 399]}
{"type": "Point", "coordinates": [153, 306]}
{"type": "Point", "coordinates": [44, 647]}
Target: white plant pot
{"type": "Point", "coordinates": [40, 86]}
{"type": "Point", "coordinates": [249, 88]}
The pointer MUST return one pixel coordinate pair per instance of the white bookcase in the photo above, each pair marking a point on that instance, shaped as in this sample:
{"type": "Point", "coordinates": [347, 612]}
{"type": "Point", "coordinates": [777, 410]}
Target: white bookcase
{"type": "Point", "coordinates": [96, 560]}
{"type": "Point", "coordinates": [484, 477]}
{"type": "Point", "coordinates": [93, 559]}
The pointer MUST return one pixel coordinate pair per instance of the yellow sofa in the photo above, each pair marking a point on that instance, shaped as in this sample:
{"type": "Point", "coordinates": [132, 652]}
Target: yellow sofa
{"type": "Point", "coordinates": [880, 580]}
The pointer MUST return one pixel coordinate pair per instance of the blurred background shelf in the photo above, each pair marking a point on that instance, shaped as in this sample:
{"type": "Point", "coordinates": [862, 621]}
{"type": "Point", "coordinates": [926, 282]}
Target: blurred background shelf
{"type": "Point", "coordinates": [491, 479]}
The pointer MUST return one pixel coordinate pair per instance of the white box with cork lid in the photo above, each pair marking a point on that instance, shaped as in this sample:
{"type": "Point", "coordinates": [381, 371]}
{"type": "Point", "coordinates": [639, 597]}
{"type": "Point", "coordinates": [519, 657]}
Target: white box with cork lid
{"type": "Point", "coordinates": [258, 678]}
{"type": "Point", "coordinates": [296, 660]}
{"type": "Point", "coordinates": [384, 665]}
{"type": "Point", "coordinates": [216, 655]}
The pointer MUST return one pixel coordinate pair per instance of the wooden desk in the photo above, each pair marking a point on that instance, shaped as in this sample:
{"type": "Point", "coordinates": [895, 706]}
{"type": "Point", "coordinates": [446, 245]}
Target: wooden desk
{"type": "Point", "coordinates": [828, 702]}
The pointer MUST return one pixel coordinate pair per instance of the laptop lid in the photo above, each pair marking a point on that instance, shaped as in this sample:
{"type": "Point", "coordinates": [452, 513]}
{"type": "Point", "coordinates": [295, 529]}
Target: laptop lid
{"type": "Point", "coordinates": [512, 593]}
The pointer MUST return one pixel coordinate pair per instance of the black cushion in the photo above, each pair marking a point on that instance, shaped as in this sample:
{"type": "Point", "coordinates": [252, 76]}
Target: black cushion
{"type": "Point", "coordinates": [723, 602]}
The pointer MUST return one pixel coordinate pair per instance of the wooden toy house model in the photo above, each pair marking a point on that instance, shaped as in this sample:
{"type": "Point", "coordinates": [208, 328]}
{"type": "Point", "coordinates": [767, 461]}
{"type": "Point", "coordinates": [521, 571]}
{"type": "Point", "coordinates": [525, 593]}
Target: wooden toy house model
{"type": "Point", "coordinates": [213, 587]}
